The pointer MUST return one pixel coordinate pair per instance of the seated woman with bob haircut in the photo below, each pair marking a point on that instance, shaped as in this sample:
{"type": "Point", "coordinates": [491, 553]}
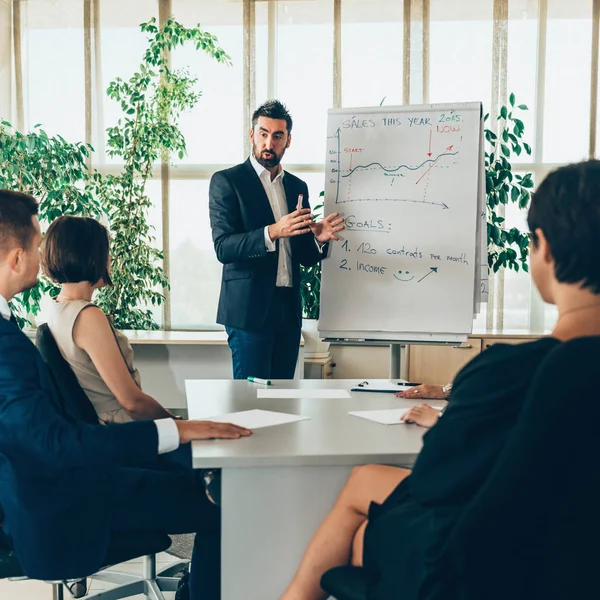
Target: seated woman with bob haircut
{"type": "Point", "coordinates": [395, 522]}
{"type": "Point", "coordinates": [75, 255]}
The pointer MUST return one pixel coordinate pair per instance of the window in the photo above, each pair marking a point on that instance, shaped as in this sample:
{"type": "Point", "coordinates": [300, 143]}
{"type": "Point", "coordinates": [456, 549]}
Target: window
{"type": "Point", "coordinates": [372, 52]}
{"type": "Point", "coordinates": [54, 70]}
{"type": "Point", "coordinates": [522, 63]}
{"type": "Point", "coordinates": [214, 128]}
{"type": "Point", "coordinates": [289, 54]}
{"type": "Point", "coordinates": [304, 74]}
{"type": "Point", "coordinates": [567, 93]}
{"type": "Point", "coordinates": [195, 271]}
{"type": "Point", "coordinates": [122, 46]}
{"type": "Point", "coordinates": [457, 73]}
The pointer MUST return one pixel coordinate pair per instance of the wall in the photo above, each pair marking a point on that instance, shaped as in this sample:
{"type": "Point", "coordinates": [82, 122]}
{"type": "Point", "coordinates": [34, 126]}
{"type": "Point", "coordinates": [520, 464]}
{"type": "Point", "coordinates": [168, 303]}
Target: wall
{"type": "Point", "coordinates": [5, 59]}
{"type": "Point", "coordinates": [164, 368]}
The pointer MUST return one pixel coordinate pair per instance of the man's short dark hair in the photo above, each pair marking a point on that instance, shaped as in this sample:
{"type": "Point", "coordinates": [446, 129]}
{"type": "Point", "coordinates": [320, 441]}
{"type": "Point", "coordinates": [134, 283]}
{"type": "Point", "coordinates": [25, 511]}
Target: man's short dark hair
{"type": "Point", "coordinates": [75, 249]}
{"type": "Point", "coordinates": [566, 207]}
{"type": "Point", "coordinates": [273, 109]}
{"type": "Point", "coordinates": [16, 226]}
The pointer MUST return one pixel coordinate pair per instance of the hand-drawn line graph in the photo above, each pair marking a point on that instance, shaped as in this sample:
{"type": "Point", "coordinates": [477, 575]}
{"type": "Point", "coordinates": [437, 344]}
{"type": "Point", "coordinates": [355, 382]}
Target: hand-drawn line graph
{"type": "Point", "coordinates": [375, 165]}
{"type": "Point", "coordinates": [396, 169]}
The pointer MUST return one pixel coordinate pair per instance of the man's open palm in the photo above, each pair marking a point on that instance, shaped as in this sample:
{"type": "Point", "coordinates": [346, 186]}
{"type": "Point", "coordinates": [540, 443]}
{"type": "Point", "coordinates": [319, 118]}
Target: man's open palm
{"type": "Point", "coordinates": [326, 230]}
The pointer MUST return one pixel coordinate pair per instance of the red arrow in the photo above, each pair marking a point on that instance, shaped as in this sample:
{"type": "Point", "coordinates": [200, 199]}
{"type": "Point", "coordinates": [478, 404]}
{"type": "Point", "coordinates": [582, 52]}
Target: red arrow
{"type": "Point", "coordinates": [449, 148]}
{"type": "Point", "coordinates": [429, 153]}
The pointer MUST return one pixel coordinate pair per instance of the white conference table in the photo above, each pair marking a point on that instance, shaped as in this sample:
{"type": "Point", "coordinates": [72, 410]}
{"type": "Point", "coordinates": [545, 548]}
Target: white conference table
{"type": "Point", "coordinates": [279, 483]}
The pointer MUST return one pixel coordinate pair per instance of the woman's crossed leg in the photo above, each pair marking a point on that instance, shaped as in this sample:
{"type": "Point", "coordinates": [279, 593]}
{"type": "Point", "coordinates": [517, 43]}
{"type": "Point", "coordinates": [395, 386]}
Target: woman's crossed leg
{"type": "Point", "coordinates": [339, 539]}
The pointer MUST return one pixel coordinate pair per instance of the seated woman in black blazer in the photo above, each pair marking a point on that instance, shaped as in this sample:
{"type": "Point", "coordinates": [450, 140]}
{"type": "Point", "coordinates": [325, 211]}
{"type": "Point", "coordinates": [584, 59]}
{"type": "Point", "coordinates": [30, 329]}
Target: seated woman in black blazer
{"type": "Point", "coordinates": [394, 521]}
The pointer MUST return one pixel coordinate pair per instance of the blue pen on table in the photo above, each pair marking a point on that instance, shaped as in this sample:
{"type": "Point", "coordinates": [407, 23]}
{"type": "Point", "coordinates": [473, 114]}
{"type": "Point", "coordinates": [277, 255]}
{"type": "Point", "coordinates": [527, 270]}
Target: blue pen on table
{"type": "Point", "coordinates": [259, 380]}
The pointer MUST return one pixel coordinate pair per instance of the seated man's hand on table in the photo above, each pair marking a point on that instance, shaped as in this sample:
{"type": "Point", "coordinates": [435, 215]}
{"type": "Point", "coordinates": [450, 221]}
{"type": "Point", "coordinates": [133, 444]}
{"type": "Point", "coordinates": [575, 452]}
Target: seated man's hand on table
{"type": "Point", "coordinates": [208, 430]}
{"type": "Point", "coordinates": [425, 390]}
{"type": "Point", "coordinates": [424, 415]}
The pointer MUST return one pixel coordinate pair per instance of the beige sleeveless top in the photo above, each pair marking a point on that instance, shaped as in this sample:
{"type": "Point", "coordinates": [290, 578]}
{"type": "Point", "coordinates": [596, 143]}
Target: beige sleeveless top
{"type": "Point", "coordinates": [61, 320]}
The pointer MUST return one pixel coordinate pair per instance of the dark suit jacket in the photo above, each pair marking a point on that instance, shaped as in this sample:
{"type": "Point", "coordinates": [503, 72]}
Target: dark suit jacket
{"type": "Point", "coordinates": [56, 475]}
{"type": "Point", "coordinates": [239, 212]}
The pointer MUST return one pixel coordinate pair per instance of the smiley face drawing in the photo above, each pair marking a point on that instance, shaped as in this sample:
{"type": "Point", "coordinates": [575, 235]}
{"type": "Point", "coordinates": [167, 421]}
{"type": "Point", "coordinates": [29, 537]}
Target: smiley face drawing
{"type": "Point", "coordinates": [401, 276]}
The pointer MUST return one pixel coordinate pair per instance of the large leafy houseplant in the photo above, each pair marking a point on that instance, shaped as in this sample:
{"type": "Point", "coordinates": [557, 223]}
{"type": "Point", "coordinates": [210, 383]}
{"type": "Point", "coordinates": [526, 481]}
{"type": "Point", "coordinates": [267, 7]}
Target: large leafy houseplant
{"type": "Point", "coordinates": [506, 248]}
{"type": "Point", "coordinates": [310, 279]}
{"type": "Point", "coordinates": [152, 100]}
{"type": "Point", "coordinates": [55, 171]}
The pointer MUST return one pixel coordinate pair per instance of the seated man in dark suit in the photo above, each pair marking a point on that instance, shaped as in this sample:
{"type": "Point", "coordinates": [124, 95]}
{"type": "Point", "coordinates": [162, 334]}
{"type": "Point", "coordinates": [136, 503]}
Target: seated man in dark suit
{"type": "Point", "coordinates": [66, 486]}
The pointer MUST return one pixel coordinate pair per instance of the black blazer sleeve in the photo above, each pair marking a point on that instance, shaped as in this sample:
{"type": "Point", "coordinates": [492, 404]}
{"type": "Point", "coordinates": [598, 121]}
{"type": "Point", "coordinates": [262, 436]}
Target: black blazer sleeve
{"type": "Point", "coordinates": [232, 243]}
{"type": "Point", "coordinates": [33, 432]}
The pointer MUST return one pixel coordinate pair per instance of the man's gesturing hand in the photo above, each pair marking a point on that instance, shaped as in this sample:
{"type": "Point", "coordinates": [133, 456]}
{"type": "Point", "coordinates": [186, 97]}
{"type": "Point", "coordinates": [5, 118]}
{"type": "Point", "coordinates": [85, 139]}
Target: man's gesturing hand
{"type": "Point", "coordinates": [207, 430]}
{"type": "Point", "coordinates": [326, 230]}
{"type": "Point", "coordinates": [296, 223]}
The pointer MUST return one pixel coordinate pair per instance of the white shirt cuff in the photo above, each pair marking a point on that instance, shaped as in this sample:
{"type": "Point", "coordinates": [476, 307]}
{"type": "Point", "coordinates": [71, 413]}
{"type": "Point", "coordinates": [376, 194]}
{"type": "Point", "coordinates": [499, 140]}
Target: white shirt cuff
{"type": "Point", "coordinates": [168, 435]}
{"type": "Point", "coordinates": [320, 245]}
{"type": "Point", "coordinates": [269, 243]}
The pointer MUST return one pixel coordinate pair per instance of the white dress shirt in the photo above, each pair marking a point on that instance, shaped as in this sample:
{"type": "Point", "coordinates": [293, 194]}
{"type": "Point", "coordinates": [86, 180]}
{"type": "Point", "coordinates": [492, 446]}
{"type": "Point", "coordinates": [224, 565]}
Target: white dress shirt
{"type": "Point", "coordinates": [4, 308]}
{"type": "Point", "coordinates": [168, 434]}
{"type": "Point", "coordinates": [276, 195]}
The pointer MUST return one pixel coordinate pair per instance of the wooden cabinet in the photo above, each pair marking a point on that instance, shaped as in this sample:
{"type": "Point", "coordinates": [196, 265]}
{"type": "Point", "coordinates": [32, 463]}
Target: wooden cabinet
{"type": "Point", "coordinates": [440, 364]}
{"type": "Point", "coordinates": [318, 368]}
{"type": "Point", "coordinates": [488, 342]}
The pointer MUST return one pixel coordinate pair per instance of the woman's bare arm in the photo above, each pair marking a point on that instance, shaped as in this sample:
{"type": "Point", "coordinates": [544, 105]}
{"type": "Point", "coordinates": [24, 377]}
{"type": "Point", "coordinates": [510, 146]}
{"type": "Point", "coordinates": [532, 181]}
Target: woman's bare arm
{"type": "Point", "coordinates": [93, 334]}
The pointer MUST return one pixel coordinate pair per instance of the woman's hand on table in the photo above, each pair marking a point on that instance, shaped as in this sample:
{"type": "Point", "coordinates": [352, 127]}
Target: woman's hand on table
{"type": "Point", "coordinates": [423, 415]}
{"type": "Point", "coordinates": [425, 390]}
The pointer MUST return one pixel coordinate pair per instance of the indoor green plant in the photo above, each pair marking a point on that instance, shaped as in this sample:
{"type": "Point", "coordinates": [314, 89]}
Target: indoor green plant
{"type": "Point", "coordinates": [152, 101]}
{"type": "Point", "coordinates": [310, 284]}
{"type": "Point", "coordinates": [310, 293]}
{"type": "Point", "coordinates": [506, 248]}
{"type": "Point", "coordinates": [56, 172]}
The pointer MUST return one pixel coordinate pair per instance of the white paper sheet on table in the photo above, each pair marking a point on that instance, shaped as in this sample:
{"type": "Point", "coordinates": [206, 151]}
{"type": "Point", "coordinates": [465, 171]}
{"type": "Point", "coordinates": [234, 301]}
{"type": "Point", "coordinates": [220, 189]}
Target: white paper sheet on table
{"type": "Point", "coordinates": [256, 418]}
{"type": "Point", "coordinates": [296, 393]}
{"type": "Point", "coordinates": [389, 416]}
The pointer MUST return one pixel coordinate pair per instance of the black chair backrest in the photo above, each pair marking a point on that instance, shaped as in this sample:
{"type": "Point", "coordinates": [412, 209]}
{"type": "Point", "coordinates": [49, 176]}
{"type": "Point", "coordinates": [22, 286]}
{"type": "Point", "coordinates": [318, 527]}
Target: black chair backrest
{"type": "Point", "coordinates": [533, 530]}
{"type": "Point", "coordinates": [9, 565]}
{"type": "Point", "coordinates": [75, 403]}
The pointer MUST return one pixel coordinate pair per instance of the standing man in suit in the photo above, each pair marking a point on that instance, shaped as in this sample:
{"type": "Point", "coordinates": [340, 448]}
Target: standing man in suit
{"type": "Point", "coordinates": [66, 486]}
{"type": "Point", "coordinates": [263, 230]}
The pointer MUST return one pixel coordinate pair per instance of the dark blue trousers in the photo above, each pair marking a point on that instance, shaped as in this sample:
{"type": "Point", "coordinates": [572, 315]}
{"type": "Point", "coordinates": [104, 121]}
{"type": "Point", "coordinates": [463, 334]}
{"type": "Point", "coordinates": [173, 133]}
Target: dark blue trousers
{"type": "Point", "coordinates": [168, 497]}
{"type": "Point", "coordinates": [270, 352]}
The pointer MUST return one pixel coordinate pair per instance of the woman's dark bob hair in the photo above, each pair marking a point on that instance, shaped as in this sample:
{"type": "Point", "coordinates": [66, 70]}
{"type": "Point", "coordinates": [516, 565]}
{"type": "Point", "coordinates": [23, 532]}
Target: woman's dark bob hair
{"type": "Point", "coordinates": [76, 249]}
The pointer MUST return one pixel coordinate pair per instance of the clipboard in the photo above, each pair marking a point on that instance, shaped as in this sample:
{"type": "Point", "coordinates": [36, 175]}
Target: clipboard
{"type": "Point", "coordinates": [389, 388]}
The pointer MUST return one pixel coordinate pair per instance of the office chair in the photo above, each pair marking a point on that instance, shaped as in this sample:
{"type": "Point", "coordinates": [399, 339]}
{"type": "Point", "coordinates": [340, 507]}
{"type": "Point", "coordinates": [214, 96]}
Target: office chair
{"type": "Point", "coordinates": [9, 565]}
{"type": "Point", "coordinates": [122, 548]}
{"type": "Point", "coordinates": [532, 530]}
{"type": "Point", "coordinates": [76, 406]}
